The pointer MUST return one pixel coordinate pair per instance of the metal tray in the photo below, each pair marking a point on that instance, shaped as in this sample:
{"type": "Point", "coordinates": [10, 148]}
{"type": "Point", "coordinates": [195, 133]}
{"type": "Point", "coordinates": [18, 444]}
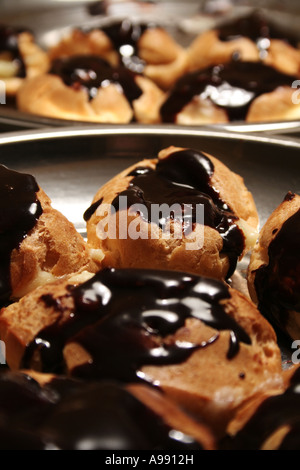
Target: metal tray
{"type": "Point", "coordinates": [70, 164]}
{"type": "Point", "coordinates": [52, 19]}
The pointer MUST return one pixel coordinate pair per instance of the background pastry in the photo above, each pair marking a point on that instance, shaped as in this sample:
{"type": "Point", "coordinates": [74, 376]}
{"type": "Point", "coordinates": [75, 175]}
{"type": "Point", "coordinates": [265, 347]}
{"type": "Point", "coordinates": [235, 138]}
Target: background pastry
{"type": "Point", "coordinates": [20, 57]}
{"type": "Point", "coordinates": [250, 38]}
{"type": "Point", "coordinates": [234, 91]}
{"type": "Point", "coordinates": [202, 343]}
{"type": "Point", "coordinates": [37, 242]}
{"type": "Point", "coordinates": [180, 180]}
{"type": "Point", "coordinates": [274, 269]}
{"type": "Point", "coordinates": [87, 88]}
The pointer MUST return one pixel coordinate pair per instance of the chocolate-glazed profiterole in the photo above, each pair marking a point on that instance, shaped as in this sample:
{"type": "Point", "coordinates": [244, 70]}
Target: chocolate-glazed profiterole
{"type": "Point", "coordinates": [48, 412]}
{"type": "Point", "coordinates": [144, 48]}
{"type": "Point", "coordinates": [250, 38]}
{"type": "Point", "coordinates": [166, 328]}
{"type": "Point", "coordinates": [20, 57]}
{"type": "Point", "coordinates": [37, 243]}
{"type": "Point", "coordinates": [274, 269]}
{"type": "Point", "coordinates": [183, 180]}
{"type": "Point", "coordinates": [247, 91]}
{"type": "Point", "coordinates": [88, 88]}
{"type": "Point", "coordinates": [270, 422]}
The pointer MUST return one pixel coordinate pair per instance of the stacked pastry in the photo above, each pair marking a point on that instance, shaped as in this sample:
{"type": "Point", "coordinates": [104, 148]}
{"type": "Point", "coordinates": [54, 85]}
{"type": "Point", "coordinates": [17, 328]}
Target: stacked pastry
{"type": "Point", "coordinates": [144, 312]}
{"type": "Point", "coordinates": [126, 72]}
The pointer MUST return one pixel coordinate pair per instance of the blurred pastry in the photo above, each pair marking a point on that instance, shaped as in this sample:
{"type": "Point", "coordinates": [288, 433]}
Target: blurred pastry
{"type": "Point", "coordinates": [274, 269]}
{"type": "Point", "coordinates": [184, 210]}
{"type": "Point", "coordinates": [20, 57]}
{"type": "Point", "coordinates": [48, 412]}
{"type": "Point", "coordinates": [202, 343]}
{"type": "Point", "coordinates": [37, 242]}
{"type": "Point", "coordinates": [143, 48]}
{"type": "Point", "coordinates": [249, 38]}
{"type": "Point", "coordinates": [87, 88]}
{"type": "Point", "coordinates": [269, 422]}
{"type": "Point", "coordinates": [235, 91]}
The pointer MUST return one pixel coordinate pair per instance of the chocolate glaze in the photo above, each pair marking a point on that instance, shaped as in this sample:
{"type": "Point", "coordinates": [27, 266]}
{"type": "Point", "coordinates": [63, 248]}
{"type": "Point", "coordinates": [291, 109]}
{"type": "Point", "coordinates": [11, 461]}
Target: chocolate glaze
{"type": "Point", "coordinates": [67, 414]}
{"type": "Point", "coordinates": [232, 87]}
{"type": "Point", "coordinates": [257, 28]}
{"type": "Point", "coordinates": [123, 319]}
{"type": "Point", "coordinates": [91, 72]}
{"type": "Point", "coordinates": [19, 211]}
{"type": "Point", "coordinates": [125, 36]}
{"type": "Point", "coordinates": [184, 178]}
{"type": "Point", "coordinates": [9, 42]}
{"type": "Point", "coordinates": [274, 413]}
{"type": "Point", "coordinates": [278, 283]}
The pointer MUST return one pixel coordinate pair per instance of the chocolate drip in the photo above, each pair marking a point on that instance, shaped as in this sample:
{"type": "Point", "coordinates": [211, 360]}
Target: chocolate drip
{"type": "Point", "coordinates": [274, 413]}
{"type": "Point", "coordinates": [257, 28]}
{"type": "Point", "coordinates": [123, 319]}
{"type": "Point", "coordinates": [125, 36]}
{"type": "Point", "coordinates": [9, 43]}
{"type": "Point", "coordinates": [19, 211]}
{"type": "Point", "coordinates": [92, 209]}
{"type": "Point", "coordinates": [91, 72]}
{"type": "Point", "coordinates": [232, 87]}
{"type": "Point", "coordinates": [184, 179]}
{"type": "Point", "coordinates": [278, 283]}
{"type": "Point", "coordinates": [68, 414]}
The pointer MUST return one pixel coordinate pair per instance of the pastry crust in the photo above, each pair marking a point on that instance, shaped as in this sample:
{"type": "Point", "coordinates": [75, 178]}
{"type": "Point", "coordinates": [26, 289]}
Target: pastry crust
{"type": "Point", "coordinates": [35, 60]}
{"type": "Point", "coordinates": [48, 96]}
{"type": "Point", "coordinates": [51, 250]}
{"type": "Point", "coordinates": [153, 250]}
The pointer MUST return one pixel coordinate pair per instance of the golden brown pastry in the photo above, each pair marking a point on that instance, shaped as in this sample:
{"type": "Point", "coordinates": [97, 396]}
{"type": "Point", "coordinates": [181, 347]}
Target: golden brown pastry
{"type": "Point", "coordinates": [143, 48]}
{"type": "Point", "coordinates": [234, 91]}
{"type": "Point", "coordinates": [49, 412]}
{"type": "Point", "coordinates": [271, 421]}
{"type": "Point", "coordinates": [150, 215]}
{"type": "Point", "coordinates": [87, 88]}
{"type": "Point", "coordinates": [274, 269]}
{"type": "Point", "coordinates": [249, 38]}
{"type": "Point", "coordinates": [20, 57]}
{"type": "Point", "coordinates": [202, 343]}
{"type": "Point", "coordinates": [37, 243]}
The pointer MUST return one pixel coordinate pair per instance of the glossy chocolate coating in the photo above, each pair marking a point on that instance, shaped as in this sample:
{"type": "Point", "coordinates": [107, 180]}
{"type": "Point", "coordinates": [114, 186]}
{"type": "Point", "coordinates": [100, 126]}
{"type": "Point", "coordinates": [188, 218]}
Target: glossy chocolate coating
{"type": "Point", "coordinates": [274, 413]}
{"type": "Point", "coordinates": [278, 283]}
{"type": "Point", "coordinates": [232, 87]}
{"type": "Point", "coordinates": [19, 211]}
{"type": "Point", "coordinates": [91, 72]}
{"type": "Point", "coordinates": [125, 36]}
{"type": "Point", "coordinates": [67, 414]}
{"type": "Point", "coordinates": [184, 179]}
{"type": "Point", "coordinates": [122, 317]}
{"type": "Point", "coordinates": [9, 43]}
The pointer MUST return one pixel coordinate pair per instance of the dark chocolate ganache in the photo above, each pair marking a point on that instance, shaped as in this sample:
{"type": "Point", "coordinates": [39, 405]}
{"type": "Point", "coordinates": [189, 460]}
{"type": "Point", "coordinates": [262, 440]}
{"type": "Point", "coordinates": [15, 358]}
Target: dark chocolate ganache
{"type": "Point", "coordinates": [69, 414]}
{"type": "Point", "coordinates": [9, 47]}
{"type": "Point", "coordinates": [274, 413]}
{"type": "Point", "coordinates": [258, 28]}
{"type": "Point", "coordinates": [124, 319]}
{"type": "Point", "coordinates": [125, 36]}
{"type": "Point", "coordinates": [19, 211]}
{"type": "Point", "coordinates": [232, 87]}
{"type": "Point", "coordinates": [91, 72]}
{"type": "Point", "coordinates": [278, 283]}
{"type": "Point", "coordinates": [183, 182]}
